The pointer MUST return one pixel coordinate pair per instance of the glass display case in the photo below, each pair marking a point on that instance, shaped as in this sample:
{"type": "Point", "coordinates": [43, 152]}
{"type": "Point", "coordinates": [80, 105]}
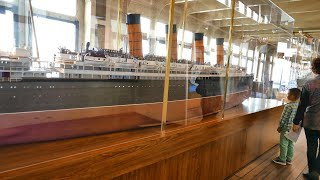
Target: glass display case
{"type": "Point", "coordinates": [86, 67]}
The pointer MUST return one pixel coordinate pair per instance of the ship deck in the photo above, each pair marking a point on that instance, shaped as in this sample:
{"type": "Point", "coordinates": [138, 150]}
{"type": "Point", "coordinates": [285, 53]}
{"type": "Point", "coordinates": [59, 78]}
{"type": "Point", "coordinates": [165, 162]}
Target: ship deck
{"type": "Point", "coordinates": [112, 155]}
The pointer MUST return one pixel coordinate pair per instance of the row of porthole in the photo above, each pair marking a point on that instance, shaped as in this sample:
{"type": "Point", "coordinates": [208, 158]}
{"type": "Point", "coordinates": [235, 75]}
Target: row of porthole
{"type": "Point", "coordinates": [51, 87]}
{"type": "Point", "coordinates": [45, 95]}
{"type": "Point", "coordinates": [26, 87]}
{"type": "Point", "coordinates": [35, 96]}
{"type": "Point", "coordinates": [146, 86]}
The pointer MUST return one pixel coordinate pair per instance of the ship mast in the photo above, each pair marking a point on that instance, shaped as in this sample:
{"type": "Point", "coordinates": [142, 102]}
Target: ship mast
{"type": "Point", "coordinates": [228, 61]}
{"type": "Point", "coordinates": [119, 29]}
{"type": "Point", "coordinates": [183, 26]}
{"type": "Point", "coordinates": [34, 29]}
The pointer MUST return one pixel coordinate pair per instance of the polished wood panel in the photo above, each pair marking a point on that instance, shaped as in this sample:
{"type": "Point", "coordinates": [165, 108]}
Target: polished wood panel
{"type": "Point", "coordinates": [264, 168]}
{"type": "Point", "coordinates": [213, 148]}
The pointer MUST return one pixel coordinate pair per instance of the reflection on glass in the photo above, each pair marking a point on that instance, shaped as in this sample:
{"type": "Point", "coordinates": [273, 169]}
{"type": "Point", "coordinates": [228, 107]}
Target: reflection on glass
{"type": "Point", "coordinates": [80, 66]}
{"type": "Point", "coordinates": [69, 7]}
{"type": "Point", "coordinates": [62, 34]}
{"type": "Point", "coordinates": [249, 69]}
{"type": "Point", "coordinates": [6, 31]}
{"type": "Point", "coordinates": [160, 29]}
{"type": "Point", "coordinates": [145, 25]}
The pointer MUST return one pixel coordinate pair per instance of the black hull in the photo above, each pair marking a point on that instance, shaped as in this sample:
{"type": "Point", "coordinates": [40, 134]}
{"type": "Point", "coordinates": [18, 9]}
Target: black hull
{"type": "Point", "coordinates": [53, 94]}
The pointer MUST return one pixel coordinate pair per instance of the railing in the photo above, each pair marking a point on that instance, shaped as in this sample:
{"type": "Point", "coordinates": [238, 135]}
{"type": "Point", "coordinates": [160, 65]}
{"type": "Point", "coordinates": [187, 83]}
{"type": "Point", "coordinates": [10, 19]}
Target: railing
{"type": "Point", "coordinates": [11, 79]}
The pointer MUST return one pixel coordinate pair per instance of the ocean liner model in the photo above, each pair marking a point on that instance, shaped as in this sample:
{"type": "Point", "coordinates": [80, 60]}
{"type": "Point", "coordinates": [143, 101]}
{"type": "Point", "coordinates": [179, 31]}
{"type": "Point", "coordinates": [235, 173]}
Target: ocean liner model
{"type": "Point", "coordinates": [100, 91]}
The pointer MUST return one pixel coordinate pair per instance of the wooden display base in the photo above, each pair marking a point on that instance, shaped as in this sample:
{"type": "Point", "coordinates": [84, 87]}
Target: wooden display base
{"type": "Point", "coordinates": [210, 149]}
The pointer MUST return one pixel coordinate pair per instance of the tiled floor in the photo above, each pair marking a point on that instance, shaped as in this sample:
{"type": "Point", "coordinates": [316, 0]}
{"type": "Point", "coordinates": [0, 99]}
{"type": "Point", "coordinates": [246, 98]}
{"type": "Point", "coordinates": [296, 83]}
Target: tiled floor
{"type": "Point", "coordinates": [264, 168]}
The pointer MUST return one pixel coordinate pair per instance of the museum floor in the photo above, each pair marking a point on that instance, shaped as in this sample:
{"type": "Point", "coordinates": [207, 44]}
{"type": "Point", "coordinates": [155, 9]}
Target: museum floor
{"type": "Point", "coordinates": [264, 168]}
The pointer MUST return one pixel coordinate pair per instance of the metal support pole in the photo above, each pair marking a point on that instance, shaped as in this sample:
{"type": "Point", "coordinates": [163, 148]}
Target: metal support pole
{"type": "Point", "coordinates": [228, 61]}
{"type": "Point", "coordinates": [34, 29]}
{"type": "Point", "coordinates": [119, 29]}
{"type": "Point", "coordinates": [167, 75]}
{"type": "Point", "coordinates": [183, 26]}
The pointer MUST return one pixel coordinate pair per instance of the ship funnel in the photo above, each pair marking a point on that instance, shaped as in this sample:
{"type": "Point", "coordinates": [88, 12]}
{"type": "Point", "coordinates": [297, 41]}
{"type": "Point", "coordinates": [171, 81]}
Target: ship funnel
{"type": "Point", "coordinates": [198, 39]}
{"type": "Point", "coordinates": [174, 42]}
{"type": "Point", "coordinates": [135, 35]}
{"type": "Point", "coordinates": [220, 51]}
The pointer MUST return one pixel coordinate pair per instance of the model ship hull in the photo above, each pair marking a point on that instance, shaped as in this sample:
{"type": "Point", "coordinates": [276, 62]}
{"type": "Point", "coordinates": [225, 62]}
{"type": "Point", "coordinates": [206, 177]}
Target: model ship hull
{"type": "Point", "coordinates": [41, 110]}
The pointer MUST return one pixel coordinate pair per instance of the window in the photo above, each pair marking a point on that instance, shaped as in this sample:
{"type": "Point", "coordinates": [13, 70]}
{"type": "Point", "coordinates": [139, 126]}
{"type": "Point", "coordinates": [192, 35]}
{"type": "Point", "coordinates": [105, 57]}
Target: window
{"type": "Point", "coordinates": [243, 62]}
{"type": "Point", "coordinates": [280, 74]}
{"type": "Point", "coordinates": [6, 32]}
{"type": "Point", "coordinates": [188, 35]}
{"type": "Point", "coordinates": [61, 34]}
{"type": "Point", "coordinates": [225, 46]}
{"type": "Point", "coordinates": [262, 57]}
{"type": "Point", "coordinates": [213, 58]}
{"type": "Point", "coordinates": [114, 27]}
{"type": "Point", "coordinates": [145, 47]}
{"type": "Point", "coordinates": [222, 1]}
{"type": "Point", "coordinates": [286, 72]}
{"type": "Point", "coordinates": [241, 7]}
{"type": "Point", "coordinates": [282, 47]}
{"type": "Point", "coordinates": [249, 67]}
{"type": "Point", "coordinates": [207, 58]}
{"type": "Point", "coordinates": [229, 3]}
{"type": "Point", "coordinates": [145, 25]}
{"type": "Point", "coordinates": [234, 60]}
{"type": "Point", "coordinates": [249, 12]}
{"type": "Point", "coordinates": [255, 16]}
{"type": "Point", "coordinates": [250, 53]}
{"type": "Point", "coordinates": [213, 44]}
{"type": "Point", "coordinates": [270, 71]}
{"type": "Point", "coordinates": [277, 71]}
{"type": "Point", "coordinates": [244, 49]}
{"type": "Point", "coordinates": [260, 72]}
{"type": "Point", "coordinates": [186, 54]}
{"type": "Point", "coordinates": [161, 29]}
{"type": "Point", "coordinates": [255, 67]}
{"type": "Point", "coordinates": [205, 41]}
{"type": "Point", "coordinates": [161, 49]}
{"type": "Point", "coordinates": [236, 49]}
{"type": "Point", "coordinates": [68, 7]}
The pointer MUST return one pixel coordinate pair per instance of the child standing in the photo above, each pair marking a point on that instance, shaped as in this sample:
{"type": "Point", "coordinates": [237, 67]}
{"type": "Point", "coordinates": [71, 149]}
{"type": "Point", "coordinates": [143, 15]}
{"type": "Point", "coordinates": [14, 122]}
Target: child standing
{"type": "Point", "coordinates": [285, 125]}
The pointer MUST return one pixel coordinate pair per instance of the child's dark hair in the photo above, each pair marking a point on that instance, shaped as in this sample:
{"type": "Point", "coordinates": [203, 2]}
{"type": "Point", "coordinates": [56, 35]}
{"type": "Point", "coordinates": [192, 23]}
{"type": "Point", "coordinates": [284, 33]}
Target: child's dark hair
{"type": "Point", "coordinates": [295, 92]}
{"type": "Point", "coordinates": [315, 65]}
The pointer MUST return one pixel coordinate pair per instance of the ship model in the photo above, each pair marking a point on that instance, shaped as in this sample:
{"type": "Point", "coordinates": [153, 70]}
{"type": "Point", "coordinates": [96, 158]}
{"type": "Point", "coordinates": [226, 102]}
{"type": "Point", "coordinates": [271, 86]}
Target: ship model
{"type": "Point", "coordinates": [99, 91]}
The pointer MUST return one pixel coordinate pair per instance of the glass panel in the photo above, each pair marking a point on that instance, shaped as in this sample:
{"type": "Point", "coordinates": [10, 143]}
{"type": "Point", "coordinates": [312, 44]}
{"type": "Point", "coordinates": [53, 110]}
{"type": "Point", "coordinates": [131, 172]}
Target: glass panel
{"type": "Point", "coordinates": [7, 32]}
{"type": "Point", "coordinates": [89, 59]}
{"type": "Point", "coordinates": [77, 65]}
{"type": "Point", "coordinates": [258, 28]}
{"type": "Point", "coordinates": [69, 7]}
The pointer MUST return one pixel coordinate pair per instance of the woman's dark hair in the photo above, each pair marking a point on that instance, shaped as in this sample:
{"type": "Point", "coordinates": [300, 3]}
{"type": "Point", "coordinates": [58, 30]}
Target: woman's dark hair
{"type": "Point", "coordinates": [315, 65]}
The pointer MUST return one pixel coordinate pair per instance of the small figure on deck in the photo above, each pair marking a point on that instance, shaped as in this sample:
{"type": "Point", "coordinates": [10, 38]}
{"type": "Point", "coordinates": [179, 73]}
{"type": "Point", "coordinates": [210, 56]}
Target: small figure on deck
{"type": "Point", "coordinates": [285, 125]}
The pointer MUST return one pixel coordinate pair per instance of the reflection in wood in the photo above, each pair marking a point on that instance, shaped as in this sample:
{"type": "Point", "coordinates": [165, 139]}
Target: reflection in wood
{"type": "Point", "coordinates": [211, 149]}
{"type": "Point", "coordinates": [61, 124]}
{"type": "Point", "coordinates": [264, 168]}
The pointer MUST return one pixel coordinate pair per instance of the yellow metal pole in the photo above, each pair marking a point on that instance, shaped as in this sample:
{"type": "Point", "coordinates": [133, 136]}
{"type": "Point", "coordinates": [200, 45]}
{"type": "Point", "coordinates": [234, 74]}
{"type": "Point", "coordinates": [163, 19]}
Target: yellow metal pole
{"type": "Point", "coordinates": [168, 60]}
{"type": "Point", "coordinates": [229, 55]}
{"type": "Point", "coordinates": [34, 29]}
{"type": "Point", "coordinates": [183, 26]}
{"type": "Point", "coordinates": [181, 55]}
{"type": "Point", "coordinates": [119, 23]}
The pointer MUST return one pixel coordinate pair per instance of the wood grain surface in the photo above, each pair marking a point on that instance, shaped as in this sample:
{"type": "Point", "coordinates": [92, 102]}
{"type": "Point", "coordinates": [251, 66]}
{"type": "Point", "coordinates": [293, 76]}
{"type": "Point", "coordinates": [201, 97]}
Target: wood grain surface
{"type": "Point", "coordinates": [210, 149]}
